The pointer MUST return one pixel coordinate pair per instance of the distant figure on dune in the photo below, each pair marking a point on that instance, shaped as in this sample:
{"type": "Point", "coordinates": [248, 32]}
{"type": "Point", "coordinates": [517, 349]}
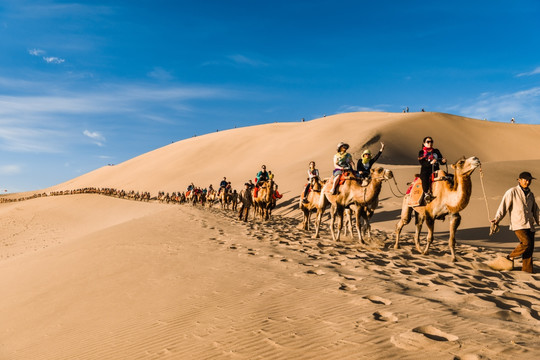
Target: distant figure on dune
{"type": "Point", "coordinates": [366, 162]}
{"type": "Point", "coordinates": [513, 121]}
{"type": "Point", "coordinates": [429, 158]}
{"type": "Point", "coordinates": [520, 204]}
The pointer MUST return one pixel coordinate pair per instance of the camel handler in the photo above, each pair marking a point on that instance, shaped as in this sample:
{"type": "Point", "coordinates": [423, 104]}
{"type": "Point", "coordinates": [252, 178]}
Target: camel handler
{"type": "Point", "coordinates": [364, 165]}
{"type": "Point", "coordinates": [342, 161]}
{"type": "Point", "coordinates": [520, 204]}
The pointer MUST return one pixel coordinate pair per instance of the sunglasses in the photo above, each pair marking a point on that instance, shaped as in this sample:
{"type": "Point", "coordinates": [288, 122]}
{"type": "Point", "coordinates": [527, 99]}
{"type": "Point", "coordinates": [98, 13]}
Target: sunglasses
{"type": "Point", "coordinates": [429, 142]}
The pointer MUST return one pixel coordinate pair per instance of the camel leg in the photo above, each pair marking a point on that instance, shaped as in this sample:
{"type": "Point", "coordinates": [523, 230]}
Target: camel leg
{"type": "Point", "coordinates": [318, 223]}
{"type": "Point", "coordinates": [323, 202]}
{"type": "Point", "coordinates": [430, 222]}
{"type": "Point", "coordinates": [332, 221]}
{"type": "Point", "coordinates": [455, 220]}
{"type": "Point", "coordinates": [340, 222]}
{"type": "Point", "coordinates": [418, 221]}
{"type": "Point", "coordinates": [406, 213]}
{"type": "Point", "coordinates": [358, 225]}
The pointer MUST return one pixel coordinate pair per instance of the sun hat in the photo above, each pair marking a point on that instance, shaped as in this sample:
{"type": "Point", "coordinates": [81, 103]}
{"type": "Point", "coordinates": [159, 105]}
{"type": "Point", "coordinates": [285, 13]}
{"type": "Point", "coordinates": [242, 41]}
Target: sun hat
{"type": "Point", "coordinates": [367, 151]}
{"type": "Point", "coordinates": [342, 144]}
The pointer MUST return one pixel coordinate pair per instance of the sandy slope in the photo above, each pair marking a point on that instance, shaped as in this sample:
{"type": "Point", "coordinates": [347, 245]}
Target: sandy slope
{"type": "Point", "coordinates": [92, 277]}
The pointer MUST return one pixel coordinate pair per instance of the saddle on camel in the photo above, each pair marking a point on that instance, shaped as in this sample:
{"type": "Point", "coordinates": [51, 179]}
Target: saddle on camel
{"type": "Point", "coordinates": [416, 193]}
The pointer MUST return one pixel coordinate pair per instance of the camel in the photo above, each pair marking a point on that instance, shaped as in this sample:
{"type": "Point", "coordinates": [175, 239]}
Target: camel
{"type": "Point", "coordinates": [312, 201]}
{"type": "Point", "coordinates": [246, 200]}
{"type": "Point", "coordinates": [351, 192]}
{"type": "Point", "coordinates": [264, 201]}
{"type": "Point", "coordinates": [225, 199]}
{"type": "Point", "coordinates": [450, 199]}
{"type": "Point", "coordinates": [211, 197]}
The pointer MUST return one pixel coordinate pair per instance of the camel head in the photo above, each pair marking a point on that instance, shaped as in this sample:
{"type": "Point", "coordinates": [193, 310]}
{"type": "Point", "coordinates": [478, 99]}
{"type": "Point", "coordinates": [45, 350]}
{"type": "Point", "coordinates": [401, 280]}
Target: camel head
{"type": "Point", "coordinates": [381, 174]}
{"type": "Point", "coordinates": [465, 167]}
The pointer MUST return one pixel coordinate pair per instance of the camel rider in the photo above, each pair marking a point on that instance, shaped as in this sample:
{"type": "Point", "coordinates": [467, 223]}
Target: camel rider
{"type": "Point", "coordinates": [364, 165]}
{"type": "Point", "coordinates": [343, 161]}
{"type": "Point", "coordinates": [210, 189]}
{"type": "Point", "coordinates": [222, 185]}
{"type": "Point", "coordinates": [262, 176]}
{"type": "Point", "coordinates": [276, 192]}
{"type": "Point", "coordinates": [429, 158]}
{"type": "Point", "coordinates": [313, 174]}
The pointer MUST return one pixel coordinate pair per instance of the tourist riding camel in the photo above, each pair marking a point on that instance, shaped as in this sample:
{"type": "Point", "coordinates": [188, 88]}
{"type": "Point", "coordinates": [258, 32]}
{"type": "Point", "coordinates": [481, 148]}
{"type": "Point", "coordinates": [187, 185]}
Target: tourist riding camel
{"type": "Point", "coordinates": [343, 162]}
{"type": "Point", "coordinates": [451, 196]}
{"type": "Point", "coordinates": [365, 164]}
{"type": "Point", "coordinates": [261, 177]}
{"type": "Point", "coordinates": [313, 176]}
{"type": "Point", "coordinates": [310, 201]}
{"type": "Point", "coordinates": [351, 192]}
{"type": "Point", "coordinates": [429, 158]}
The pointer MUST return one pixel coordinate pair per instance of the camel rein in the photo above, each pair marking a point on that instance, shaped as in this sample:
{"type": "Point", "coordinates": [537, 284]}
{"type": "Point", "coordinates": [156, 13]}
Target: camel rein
{"type": "Point", "coordinates": [484, 191]}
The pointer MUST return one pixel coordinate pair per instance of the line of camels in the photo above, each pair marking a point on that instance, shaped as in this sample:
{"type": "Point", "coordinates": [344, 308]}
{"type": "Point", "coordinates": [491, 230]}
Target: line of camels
{"type": "Point", "coordinates": [353, 196]}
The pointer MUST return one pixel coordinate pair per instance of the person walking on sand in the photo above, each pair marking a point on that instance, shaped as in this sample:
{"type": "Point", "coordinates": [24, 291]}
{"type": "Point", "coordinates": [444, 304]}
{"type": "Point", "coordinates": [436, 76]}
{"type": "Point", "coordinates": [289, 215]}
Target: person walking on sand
{"type": "Point", "coordinates": [429, 159]}
{"type": "Point", "coordinates": [520, 204]}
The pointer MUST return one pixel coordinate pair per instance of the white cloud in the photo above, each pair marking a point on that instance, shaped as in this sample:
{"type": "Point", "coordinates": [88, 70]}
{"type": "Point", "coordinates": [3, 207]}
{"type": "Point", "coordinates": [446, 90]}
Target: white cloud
{"type": "Point", "coordinates": [47, 59]}
{"type": "Point", "coordinates": [10, 169]}
{"type": "Point", "coordinates": [53, 60]}
{"type": "Point", "coordinates": [36, 52]}
{"type": "Point", "coordinates": [244, 60]}
{"type": "Point", "coordinates": [98, 138]}
{"type": "Point", "coordinates": [160, 74]}
{"type": "Point", "coordinates": [356, 108]}
{"type": "Point", "coordinates": [523, 105]}
{"type": "Point", "coordinates": [530, 73]}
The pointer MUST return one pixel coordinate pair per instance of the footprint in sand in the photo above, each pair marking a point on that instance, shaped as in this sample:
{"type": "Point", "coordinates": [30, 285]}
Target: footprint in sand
{"type": "Point", "coordinates": [433, 333]}
{"type": "Point", "coordinates": [385, 316]}
{"type": "Point", "coordinates": [378, 300]}
{"type": "Point", "coordinates": [424, 337]}
{"type": "Point", "coordinates": [316, 272]}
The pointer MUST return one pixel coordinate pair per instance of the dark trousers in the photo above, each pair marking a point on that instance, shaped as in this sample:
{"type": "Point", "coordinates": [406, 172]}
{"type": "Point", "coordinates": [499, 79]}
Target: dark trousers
{"type": "Point", "coordinates": [426, 181]}
{"type": "Point", "coordinates": [525, 249]}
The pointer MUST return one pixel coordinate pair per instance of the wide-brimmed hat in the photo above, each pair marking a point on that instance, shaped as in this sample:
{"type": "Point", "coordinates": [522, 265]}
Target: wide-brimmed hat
{"type": "Point", "coordinates": [342, 144]}
{"type": "Point", "coordinates": [526, 175]}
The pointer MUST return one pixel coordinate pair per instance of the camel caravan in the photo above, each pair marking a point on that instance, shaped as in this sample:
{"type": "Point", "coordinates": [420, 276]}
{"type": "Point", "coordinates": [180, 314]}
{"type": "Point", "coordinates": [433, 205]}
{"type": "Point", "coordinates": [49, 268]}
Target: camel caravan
{"type": "Point", "coordinates": [356, 192]}
{"type": "Point", "coordinates": [351, 195]}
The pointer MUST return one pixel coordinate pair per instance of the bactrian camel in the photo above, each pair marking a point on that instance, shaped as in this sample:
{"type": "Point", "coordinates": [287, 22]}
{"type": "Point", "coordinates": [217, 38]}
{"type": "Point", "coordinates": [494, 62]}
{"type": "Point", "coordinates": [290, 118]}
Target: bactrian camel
{"type": "Point", "coordinates": [351, 192]}
{"type": "Point", "coordinates": [450, 199]}
{"type": "Point", "coordinates": [312, 201]}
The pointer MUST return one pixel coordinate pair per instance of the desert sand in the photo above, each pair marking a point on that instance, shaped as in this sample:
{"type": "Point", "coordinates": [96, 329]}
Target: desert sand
{"type": "Point", "coordinates": [88, 276]}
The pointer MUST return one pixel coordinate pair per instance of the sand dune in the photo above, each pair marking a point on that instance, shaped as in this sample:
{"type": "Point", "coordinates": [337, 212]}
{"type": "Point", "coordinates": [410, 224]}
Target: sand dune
{"type": "Point", "coordinates": [92, 277]}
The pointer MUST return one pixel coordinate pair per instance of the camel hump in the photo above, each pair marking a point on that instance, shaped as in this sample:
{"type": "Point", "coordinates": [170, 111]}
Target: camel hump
{"type": "Point", "coordinates": [415, 193]}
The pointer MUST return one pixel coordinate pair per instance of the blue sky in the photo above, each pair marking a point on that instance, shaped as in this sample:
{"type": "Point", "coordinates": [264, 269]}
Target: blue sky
{"type": "Point", "coordinates": [89, 83]}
